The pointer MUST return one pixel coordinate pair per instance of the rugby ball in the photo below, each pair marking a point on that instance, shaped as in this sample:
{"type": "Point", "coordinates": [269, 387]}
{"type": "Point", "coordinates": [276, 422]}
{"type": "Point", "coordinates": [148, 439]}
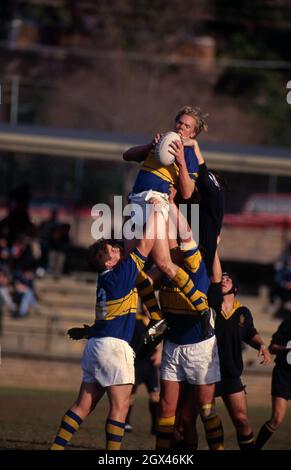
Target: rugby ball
{"type": "Point", "coordinates": [162, 152]}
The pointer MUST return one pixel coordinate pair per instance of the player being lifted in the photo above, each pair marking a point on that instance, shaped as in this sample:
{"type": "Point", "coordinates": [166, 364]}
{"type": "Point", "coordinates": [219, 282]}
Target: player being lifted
{"type": "Point", "coordinates": [155, 181]}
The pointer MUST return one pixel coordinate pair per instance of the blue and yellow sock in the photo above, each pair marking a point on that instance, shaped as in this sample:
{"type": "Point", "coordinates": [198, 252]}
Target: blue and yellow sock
{"type": "Point", "coordinates": [147, 295]}
{"type": "Point", "coordinates": [114, 434]}
{"type": "Point", "coordinates": [69, 425]}
{"type": "Point", "coordinates": [213, 428]}
{"type": "Point", "coordinates": [164, 433]}
{"type": "Point", "coordinates": [196, 298]}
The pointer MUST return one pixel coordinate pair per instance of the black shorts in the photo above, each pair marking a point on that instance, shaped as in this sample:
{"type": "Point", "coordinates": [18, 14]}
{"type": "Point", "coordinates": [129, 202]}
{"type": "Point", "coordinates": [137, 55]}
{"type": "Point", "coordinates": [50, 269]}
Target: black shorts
{"type": "Point", "coordinates": [148, 374]}
{"type": "Point", "coordinates": [229, 386]}
{"type": "Point", "coordinates": [281, 383]}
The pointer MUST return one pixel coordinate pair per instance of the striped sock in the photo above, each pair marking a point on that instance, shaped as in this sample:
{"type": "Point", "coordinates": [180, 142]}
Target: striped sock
{"type": "Point", "coordinates": [197, 299]}
{"type": "Point", "coordinates": [214, 432]}
{"type": "Point", "coordinates": [69, 425]}
{"type": "Point", "coordinates": [192, 256]}
{"type": "Point", "coordinates": [264, 435]}
{"type": "Point", "coordinates": [165, 429]}
{"type": "Point", "coordinates": [147, 295]}
{"type": "Point", "coordinates": [114, 434]}
{"type": "Point", "coordinates": [246, 441]}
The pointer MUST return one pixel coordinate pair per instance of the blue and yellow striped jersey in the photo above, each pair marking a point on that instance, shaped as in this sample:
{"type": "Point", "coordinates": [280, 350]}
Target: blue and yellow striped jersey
{"type": "Point", "coordinates": [117, 299]}
{"type": "Point", "coordinates": [161, 178]}
{"type": "Point", "coordinates": [184, 326]}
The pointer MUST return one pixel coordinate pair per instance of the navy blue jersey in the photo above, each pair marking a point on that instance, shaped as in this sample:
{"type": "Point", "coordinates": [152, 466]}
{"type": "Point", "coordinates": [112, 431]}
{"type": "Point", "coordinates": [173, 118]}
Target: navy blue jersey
{"type": "Point", "coordinates": [117, 299]}
{"type": "Point", "coordinates": [231, 329]}
{"type": "Point", "coordinates": [211, 209]}
{"type": "Point", "coordinates": [282, 337]}
{"type": "Point", "coordinates": [186, 327]}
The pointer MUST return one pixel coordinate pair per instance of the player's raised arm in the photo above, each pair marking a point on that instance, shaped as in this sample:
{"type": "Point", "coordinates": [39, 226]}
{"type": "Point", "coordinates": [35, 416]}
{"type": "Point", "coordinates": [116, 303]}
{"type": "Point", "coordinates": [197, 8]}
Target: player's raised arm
{"type": "Point", "coordinates": [216, 269]}
{"type": "Point", "coordinates": [188, 142]}
{"type": "Point", "coordinates": [140, 152]}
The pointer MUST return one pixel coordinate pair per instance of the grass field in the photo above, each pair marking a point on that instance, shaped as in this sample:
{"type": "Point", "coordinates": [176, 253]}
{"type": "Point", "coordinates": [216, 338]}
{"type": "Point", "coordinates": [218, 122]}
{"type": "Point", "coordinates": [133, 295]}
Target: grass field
{"type": "Point", "coordinates": [29, 420]}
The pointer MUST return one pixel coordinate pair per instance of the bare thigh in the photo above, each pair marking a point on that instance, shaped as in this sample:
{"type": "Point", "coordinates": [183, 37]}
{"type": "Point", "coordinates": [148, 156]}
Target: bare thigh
{"type": "Point", "coordinates": [119, 400]}
{"type": "Point", "coordinates": [89, 396]}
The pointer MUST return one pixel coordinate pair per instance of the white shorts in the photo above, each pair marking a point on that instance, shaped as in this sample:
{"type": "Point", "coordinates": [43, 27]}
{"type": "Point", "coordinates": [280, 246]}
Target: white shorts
{"type": "Point", "coordinates": [141, 207]}
{"type": "Point", "coordinates": [196, 363]}
{"type": "Point", "coordinates": [108, 361]}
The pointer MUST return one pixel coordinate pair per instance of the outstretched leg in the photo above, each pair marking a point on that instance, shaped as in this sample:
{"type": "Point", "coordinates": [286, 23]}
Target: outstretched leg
{"type": "Point", "coordinates": [279, 409]}
{"type": "Point", "coordinates": [89, 396]}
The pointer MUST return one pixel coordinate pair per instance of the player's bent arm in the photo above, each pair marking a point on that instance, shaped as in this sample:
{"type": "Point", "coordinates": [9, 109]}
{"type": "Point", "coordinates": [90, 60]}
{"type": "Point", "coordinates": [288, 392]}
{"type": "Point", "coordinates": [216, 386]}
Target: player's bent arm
{"type": "Point", "coordinates": [193, 143]}
{"type": "Point", "coordinates": [278, 348]}
{"type": "Point", "coordinates": [186, 184]}
{"type": "Point", "coordinates": [137, 154]}
{"type": "Point", "coordinates": [140, 152]}
{"type": "Point", "coordinates": [198, 153]}
{"type": "Point", "coordinates": [188, 142]}
{"type": "Point", "coordinates": [257, 343]}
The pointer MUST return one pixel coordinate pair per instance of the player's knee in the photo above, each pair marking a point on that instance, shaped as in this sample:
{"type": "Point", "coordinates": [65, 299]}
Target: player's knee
{"type": "Point", "coordinates": [166, 408]}
{"type": "Point", "coordinates": [121, 406]}
{"type": "Point", "coordinates": [207, 411]}
{"type": "Point", "coordinates": [187, 421]}
{"type": "Point", "coordinates": [276, 421]}
{"type": "Point", "coordinates": [241, 419]}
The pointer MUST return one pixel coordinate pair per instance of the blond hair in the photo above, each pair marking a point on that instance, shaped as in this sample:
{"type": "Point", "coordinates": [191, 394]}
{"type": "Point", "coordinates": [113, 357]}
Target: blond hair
{"type": "Point", "coordinates": [196, 113]}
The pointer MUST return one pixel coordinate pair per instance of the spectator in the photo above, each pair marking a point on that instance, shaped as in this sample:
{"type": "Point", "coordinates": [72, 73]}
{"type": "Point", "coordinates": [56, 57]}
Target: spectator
{"type": "Point", "coordinates": [17, 223]}
{"type": "Point", "coordinates": [282, 283]}
{"type": "Point", "coordinates": [5, 295]}
{"type": "Point", "coordinates": [55, 241]}
{"type": "Point", "coordinates": [24, 294]}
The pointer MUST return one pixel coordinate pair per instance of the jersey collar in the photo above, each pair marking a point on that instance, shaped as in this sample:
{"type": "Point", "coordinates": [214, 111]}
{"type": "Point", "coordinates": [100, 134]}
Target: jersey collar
{"type": "Point", "coordinates": [236, 305]}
